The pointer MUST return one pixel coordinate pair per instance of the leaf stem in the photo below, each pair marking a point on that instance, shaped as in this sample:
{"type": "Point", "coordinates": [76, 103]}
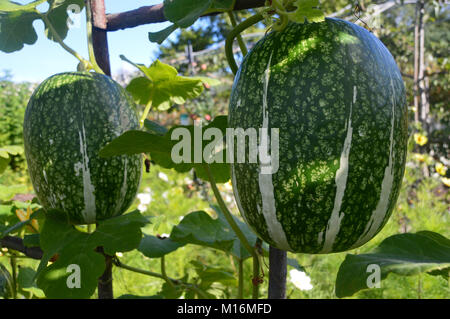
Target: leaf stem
{"type": "Point", "coordinates": [60, 41]}
{"type": "Point", "coordinates": [13, 263]}
{"type": "Point", "coordinates": [234, 226]}
{"type": "Point", "coordinates": [241, 278]}
{"type": "Point", "coordinates": [146, 111]}
{"type": "Point", "coordinates": [92, 59]}
{"type": "Point", "coordinates": [172, 281]}
{"type": "Point", "coordinates": [163, 272]}
{"type": "Point", "coordinates": [238, 37]}
{"type": "Point", "coordinates": [233, 34]}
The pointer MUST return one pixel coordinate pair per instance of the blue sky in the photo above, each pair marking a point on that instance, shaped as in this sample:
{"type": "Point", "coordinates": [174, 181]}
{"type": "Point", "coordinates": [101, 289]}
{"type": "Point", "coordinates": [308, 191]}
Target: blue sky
{"type": "Point", "coordinates": [37, 62]}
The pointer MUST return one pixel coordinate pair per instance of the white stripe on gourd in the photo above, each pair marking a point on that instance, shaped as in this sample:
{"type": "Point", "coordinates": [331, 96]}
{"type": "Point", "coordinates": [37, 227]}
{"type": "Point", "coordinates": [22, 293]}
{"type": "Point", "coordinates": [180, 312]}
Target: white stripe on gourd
{"type": "Point", "coordinates": [236, 194]}
{"type": "Point", "coordinates": [123, 189]}
{"type": "Point", "coordinates": [379, 214]}
{"type": "Point", "coordinates": [334, 223]}
{"type": "Point", "coordinates": [268, 208]}
{"type": "Point", "coordinates": [88, 189]}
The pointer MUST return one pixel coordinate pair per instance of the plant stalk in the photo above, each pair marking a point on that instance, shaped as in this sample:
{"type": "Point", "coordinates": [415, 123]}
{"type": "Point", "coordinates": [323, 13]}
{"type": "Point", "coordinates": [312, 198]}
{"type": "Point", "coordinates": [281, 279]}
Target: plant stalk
{"type": "Point", "coordinates": [239, 39]}
{"type": "Point", "coordinates": [60, 41]}
{"type": "Point", "coordinates": [235, 228]}
{"type": "Point", "coordinates": [92, 59]}
{"type": "Point", "coordinates": [233, 34]}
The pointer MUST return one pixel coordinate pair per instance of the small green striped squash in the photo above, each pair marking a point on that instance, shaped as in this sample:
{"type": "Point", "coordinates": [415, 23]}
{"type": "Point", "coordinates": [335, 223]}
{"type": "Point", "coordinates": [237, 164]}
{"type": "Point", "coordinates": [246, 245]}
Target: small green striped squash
{"type": "Point", "coordinates": [336, 95]}
{"type": "Point", "coordinates": [69, 118]}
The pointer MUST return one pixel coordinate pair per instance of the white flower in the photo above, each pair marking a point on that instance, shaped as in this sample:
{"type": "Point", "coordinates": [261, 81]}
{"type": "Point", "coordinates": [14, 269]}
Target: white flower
{"type": "Point", "coordinates": [165, 195]}
{"type": "Point", "coordinates": [300, 279]}
{"type": "Point", "coordinates": [163, 176]}
{"type": "Point", "coordinates": [164, 235]}
{"type": "Point", "coordinates": [142, 208]}
{"type": "Point", "coordinates": [144, 198]}
{"type": "Point", "coordinates": [180, 218]}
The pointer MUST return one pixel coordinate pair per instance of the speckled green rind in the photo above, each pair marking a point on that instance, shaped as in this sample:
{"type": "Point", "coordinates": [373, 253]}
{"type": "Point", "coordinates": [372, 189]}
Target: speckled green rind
{"type": "Point", "coordinates": [331, 85]}
{"type": "Point", "coordinates": [69, 118]}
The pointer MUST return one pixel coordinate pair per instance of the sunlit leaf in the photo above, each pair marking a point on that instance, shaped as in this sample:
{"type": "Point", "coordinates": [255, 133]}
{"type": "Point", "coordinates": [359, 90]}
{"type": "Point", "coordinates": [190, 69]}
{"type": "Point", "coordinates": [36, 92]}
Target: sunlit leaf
{"type": "Point", "coordinates": [402, 254]}
{"type": "Point", "coordinates": [306, 9]}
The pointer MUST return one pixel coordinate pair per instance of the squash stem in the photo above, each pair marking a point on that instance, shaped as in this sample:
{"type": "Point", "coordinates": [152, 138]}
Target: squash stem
{"type": "Point", "coordinates": [185, 285]}
{"type": "Point", "coordinates": [239, 39]}
{"type": "Point", "coordinates": [233, 34]}
{"type": "Point", "coordinates": [235, 228]}
{"type": "Point", "coordinates": [60, 41]}
{"type": "Point", "coordinates": [241, 278]}
{"type": "Point", "coordinates": [146, 111]}
{"type": "Point", "coordinates": [92, 59]}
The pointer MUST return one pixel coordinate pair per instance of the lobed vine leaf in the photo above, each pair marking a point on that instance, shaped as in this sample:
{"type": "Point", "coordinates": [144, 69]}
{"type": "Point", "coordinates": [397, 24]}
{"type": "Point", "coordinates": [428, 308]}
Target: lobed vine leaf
{"type": "Point", "coordinates": [162, 86]}
{"type": "Point", "coordinates": [58, 17]}
{"type": "Point", "coordinates": [10, 6]}
{"type": "Point", "coordinates": [201, 229]}
{"type": "Point", "coordinates": [306, 9]}
{"type": "Point", "coordinates": [160, 36]}
{"type": "Point", "coordinates": [153, 127]}
{"type": "Point", "coordinates": [183, 13]}
{"type": "Point", "coordinates": [16, 29]}
{"type": "Point", "coordinates": [16, 21]}
{"type": "Point", "coordinates": [402, 254]}
{"type": "Point", "coordinates": [154, 247]}
{"type": "Point", "coordinates": [160, 149]}
{"type": "Point", "coordinates": [76, 253]}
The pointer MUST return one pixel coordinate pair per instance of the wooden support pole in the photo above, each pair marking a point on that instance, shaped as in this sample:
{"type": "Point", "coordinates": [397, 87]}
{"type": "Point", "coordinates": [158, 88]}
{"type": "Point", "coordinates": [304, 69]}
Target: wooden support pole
{"type": "Point", "coordinates": [277, 273]}
{"type": "Point", "coordinates": [100, 44]}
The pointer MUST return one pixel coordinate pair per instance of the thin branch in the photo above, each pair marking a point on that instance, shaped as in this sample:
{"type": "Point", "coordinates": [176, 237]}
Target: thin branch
{"type": "Point", "coordinates": [155, 14]}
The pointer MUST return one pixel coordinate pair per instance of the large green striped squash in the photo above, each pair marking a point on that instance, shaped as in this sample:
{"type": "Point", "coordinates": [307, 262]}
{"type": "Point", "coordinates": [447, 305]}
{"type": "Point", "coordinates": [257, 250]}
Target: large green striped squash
{"type": "Point", "coordinates": [336, 96]}
{"type": "Point", "coordinates": [69, 118]}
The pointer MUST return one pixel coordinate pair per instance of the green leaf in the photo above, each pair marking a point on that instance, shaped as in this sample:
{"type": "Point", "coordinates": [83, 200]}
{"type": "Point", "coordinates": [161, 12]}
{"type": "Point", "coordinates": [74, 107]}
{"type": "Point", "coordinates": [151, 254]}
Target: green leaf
{"type": "Point", "coordinates": [160, 36]}
{"type": "Point", "coordinates": [31, 240]}
{"type": "Point", "coordinates": [160, 149]}
{"type": "Point", "coordinates": [201, 229]}
{"type": "Point", "coordinates": [306, 9]}
{"type": "Point", "coordinates": [154, 127]}
{"type": "Point", "coordinates": [209, 275]}
{"type": "Point", "coordinates": [121, 233]}
{"type": "Point", "coordinates": [403, 254]}
{"type": "Point", "coordinates": [77, 248]}
{"type": "Point", "coordinates": [154, 247]}
{"type": "Point", "coordinates": [162, 86]}
{"type": "Point", "coordinates": [10, 149]}
{"type": "Point", "coordinates": [9, 6]}
{"type": "Point", "coordinates": [5, 153]}
{"type": "Point", "coordinates": [58, 17]}
{"type": "Point", "coordinates": [5, 209]}
{"type": "Point", "coordinates": [26, 281]}
{"type": "Point", "coordinates": [238, 249]}
{"type": "Point", "coordinates": [16, 29]}
{"type": "Point", "coordinates": [8, 192]}
{"type": "Point", "coordinates": [185, 12]}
